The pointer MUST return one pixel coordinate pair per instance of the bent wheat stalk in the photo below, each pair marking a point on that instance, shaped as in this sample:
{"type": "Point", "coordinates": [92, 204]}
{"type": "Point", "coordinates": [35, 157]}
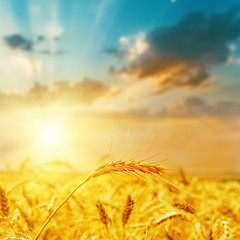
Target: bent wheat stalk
{"type": "Point", "coordinates": [134, 168]}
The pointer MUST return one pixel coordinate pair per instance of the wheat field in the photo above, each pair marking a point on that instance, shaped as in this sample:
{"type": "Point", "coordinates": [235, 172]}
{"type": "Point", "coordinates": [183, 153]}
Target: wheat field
{"type": "Point", "coordinates": [118, 204]}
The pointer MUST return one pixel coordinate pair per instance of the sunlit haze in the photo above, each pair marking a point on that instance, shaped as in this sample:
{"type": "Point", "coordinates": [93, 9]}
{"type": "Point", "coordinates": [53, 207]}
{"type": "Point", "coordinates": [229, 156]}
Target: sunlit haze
{"type": "Point", "coordinates": [81, 80]}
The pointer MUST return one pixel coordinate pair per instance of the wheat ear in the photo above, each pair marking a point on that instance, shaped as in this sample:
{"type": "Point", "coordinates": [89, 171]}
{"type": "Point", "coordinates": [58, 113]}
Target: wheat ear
{"type": "Point", "coordinates": [103, 215]}
{"type": "Point", "coordinates": [127, 212]}
{"type": "Point", "coordinates": [184, 207]}
{"type": "Point", "coordinates": [5, 207]}
{"type": "Point", "coordinates": [168, 217]}
{"type": "Point", "coordinates": [225, 226]}
{"type": "Point", "coordinates": [128, 167]}
{"type": "Point", "coordinates": [4, 203]}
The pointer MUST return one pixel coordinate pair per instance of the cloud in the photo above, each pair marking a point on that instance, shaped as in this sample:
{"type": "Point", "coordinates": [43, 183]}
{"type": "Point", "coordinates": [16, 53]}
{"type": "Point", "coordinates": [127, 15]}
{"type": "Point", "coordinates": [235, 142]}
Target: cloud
{"type": "Point", "coordinates": [41, 38]}
{"type": "Point", "coordinates": [27, 65]}
{"type": "Point", "coordinates": [136, 114]}
{"type": "Point", "coordinates": [197, 37]}
{"type": "Point", "coordinates": [16, 66]}
{"type": "Point", "coordinates": [225, 108]}
{"type": "Point", "coordinates": [132, 47]}
{"type": "Point", "coordinates": [121, 54]}
{"type": "Point", "coordinates": [187, 107]}
{"type": "Point", "coordinates": [54, 30]}
{"type": "Point", "coordinates": [12, 101]}
{"type": "Point", "coordinates": [196, 107]}
{"type": "Point", "coordinates": [17, 41]}
{"type": "Point", "coordinates": [47, 52]}
{"type": "Point", "coordinates": [191, 107]}
{"type": "Point", "coordinates": [180, 55]}
{"type": "Point", "coordinates": [86, 91]}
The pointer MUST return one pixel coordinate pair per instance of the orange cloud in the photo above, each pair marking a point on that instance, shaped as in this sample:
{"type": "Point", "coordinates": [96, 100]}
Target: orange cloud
{"type": "Point", "coordinates": [191, 107]}
{"type": "Point", "coordinates": [86, 91]}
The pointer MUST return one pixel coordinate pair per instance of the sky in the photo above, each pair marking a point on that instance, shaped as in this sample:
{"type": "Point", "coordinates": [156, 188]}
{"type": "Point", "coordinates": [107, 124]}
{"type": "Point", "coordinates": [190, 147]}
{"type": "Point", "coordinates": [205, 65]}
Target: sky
{"type": "Point", "coordinates": [80, 80]}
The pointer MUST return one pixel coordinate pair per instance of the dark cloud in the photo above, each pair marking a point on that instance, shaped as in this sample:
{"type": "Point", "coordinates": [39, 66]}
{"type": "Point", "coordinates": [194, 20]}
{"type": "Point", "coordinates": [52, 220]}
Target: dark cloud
{"type": "Point", "coordinates": [111, 50]}
{"type": "Point", "coordinates": [17, 41]}
{"type": "Point", "coordinates": [86, 91]}
{"type": "Point", "coordinates": [60, 52]}
{"type": "Point", "coordinates": [41, 38]}
{"type": "Point", "coordinates": [182, 55]}
{"type": "Point", "coordinates": [197, 37]}
{"type": "Point", "coordinates": [121, 54]}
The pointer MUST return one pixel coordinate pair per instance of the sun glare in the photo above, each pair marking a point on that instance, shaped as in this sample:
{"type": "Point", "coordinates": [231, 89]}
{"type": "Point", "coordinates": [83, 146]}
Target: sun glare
{"type": "Point", "coordinates": [50, 140]}
{"type": "Point", "coordinates": [50, 134]}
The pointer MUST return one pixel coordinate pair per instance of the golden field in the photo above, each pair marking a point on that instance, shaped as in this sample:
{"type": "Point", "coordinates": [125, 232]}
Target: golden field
{"type": "Point", "coordinates": [118, 206]}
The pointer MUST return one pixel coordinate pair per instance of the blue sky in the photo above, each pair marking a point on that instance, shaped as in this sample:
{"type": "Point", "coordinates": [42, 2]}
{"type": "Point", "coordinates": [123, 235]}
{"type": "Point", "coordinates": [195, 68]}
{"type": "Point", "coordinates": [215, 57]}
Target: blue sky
{"type": "Point", "coordinates": [142, 61]}
{"type": "Point", "coordinates": [86, 28]}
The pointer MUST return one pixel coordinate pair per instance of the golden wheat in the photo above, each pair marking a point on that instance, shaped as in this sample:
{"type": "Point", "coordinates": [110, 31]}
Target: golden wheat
{"type": "Point", "coordinates": [169, 216]}
{"type": "Point", "coordinates": [102, 213]}
{"type": "Point", "coordinates": [155, 212]}
{"type": "Point", "coordinates": [132, 168]}
{"type": "Point", "coordinates": [184, 207]}
{"type": "Point", "coordinates": [4, 203]}
{"type": "Point", "coordinates": [127, 210]}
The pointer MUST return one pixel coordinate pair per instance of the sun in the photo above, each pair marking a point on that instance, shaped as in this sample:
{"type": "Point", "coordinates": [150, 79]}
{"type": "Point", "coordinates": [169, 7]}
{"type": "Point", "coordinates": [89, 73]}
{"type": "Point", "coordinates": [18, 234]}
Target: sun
{"type": "Point", "coordinates": [50, 133]}
{"type": "Point", "coordinates": [50, 139]}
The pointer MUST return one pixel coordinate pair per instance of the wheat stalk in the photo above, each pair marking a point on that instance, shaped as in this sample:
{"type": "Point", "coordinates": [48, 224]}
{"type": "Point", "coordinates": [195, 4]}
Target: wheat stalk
{"type": "Point", "coordinates": [133, 168]}
{"type": "Point", "coordinates": [51, 203]}
{"type": "Point", "coordinates": [17, 238]}
{"type": "Point", "coordinates": [25, 216]}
